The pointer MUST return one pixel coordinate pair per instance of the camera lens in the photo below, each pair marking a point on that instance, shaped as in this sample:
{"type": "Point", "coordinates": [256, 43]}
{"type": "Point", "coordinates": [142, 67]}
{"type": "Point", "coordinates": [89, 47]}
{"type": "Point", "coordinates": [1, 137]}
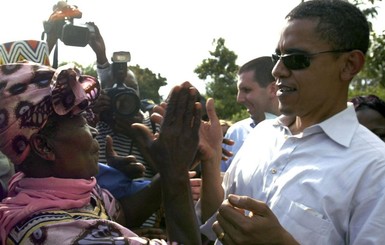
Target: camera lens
{"type": "Point", "coordinates": [126, 104]}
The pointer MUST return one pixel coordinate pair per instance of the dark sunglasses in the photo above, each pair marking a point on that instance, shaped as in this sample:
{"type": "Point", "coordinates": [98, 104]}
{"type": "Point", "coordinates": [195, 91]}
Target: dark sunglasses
{"type": "Point", "coordinates": [298, 61]}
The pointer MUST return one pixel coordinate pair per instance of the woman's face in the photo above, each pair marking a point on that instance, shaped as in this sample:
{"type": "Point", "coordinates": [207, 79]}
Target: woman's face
{"type": "Point", "coordinates": [76, 149]}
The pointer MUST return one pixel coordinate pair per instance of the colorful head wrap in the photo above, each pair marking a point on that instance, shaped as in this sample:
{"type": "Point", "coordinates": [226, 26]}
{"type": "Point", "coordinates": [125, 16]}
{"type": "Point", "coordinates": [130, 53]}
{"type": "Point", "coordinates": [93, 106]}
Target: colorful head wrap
{"type": "Point", "coordinates": [30, 93]}
{"type": "Point", "coordinates": [32, 50]}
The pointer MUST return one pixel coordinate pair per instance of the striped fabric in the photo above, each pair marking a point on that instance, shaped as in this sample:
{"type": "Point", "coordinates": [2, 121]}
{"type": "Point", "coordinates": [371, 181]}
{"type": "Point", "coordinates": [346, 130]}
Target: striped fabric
{"type": "Point", "coordinates": [32, 50]}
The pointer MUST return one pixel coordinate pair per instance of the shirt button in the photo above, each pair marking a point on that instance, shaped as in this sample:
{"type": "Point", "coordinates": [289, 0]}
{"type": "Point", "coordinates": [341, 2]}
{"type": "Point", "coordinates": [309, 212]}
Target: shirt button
{"type": "Point", "coordinates": [273, 171]}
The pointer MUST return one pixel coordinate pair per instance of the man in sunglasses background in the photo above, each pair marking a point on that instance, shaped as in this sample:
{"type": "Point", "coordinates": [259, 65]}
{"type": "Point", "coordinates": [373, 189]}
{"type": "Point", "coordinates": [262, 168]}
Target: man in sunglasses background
{"type": "Point", "coordinates": [314, 175]}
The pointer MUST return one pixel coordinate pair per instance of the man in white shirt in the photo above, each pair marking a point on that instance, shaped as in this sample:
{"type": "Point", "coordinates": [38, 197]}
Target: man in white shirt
{"type": "Point", "coordinates": [257, 92]}
{"type": "Point", "coordinates": [314, 175]}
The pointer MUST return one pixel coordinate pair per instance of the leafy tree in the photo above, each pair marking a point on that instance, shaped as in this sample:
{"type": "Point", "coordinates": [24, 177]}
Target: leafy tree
{"type": "Point", "coordinates": [371, 80]}
{"type": "Point", "coordinates": [220, 73]}
{"type": "Point", "coordinates": [149, 83]}
{"type": "Point", "coordinates": [90, 70]}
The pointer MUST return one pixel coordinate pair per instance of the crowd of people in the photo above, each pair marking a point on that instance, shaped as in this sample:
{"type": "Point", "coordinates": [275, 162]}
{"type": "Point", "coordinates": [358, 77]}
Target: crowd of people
{"type": "Point", "coordinates": [307, 167]}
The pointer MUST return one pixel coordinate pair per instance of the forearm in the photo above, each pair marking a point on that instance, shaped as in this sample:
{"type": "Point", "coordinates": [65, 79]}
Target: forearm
{"type": "Point", "coordinates": [101, 58]}
{"type": "Point", "coordinates": [181, 222]}
{"type": "Point", "coordinates": [104, 75]}
{"type": "Point", "coordinates": [212, 193]}
{"type": "Point", "coordinates": [138, 207]}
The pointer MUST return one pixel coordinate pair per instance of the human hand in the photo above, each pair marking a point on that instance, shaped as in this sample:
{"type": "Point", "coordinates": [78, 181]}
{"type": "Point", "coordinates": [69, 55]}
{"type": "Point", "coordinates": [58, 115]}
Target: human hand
{"type": "Point", "coordinates": [97, 44]}
{"type": "Point", "coordinates": [128, 164]}
{"type": "Point", "coordinates": [210, 137]}
{"type": "Point", "coordinates": [158, 113]}
{"type": "Point", "coordinates": [225, 153]}
{"type": "Point", "coordinates": [179, 126]}
{"type": "Point", "coordinates": [260, 226]}
{"type": "Point", "coordinates": [196, 184]}
{"type": "Point", "coordinates": [103, 103]}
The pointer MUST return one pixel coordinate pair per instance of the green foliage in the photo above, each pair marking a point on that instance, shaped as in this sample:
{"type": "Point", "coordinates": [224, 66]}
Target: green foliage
{"type": "Point", "coordinates": [220, 73]}
{"type": "Point", "coordinates": [149, 83]}
{"type": "Point", "coordinates": [372, 77]}
{"type": "Point", "coordinates": [90, 70]}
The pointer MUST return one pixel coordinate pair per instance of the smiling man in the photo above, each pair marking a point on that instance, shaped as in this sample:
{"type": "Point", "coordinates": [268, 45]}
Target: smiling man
{"type": "Point", "coordinates": [314, 175]}
{"type": "Point", "coordinates": [257, 92]}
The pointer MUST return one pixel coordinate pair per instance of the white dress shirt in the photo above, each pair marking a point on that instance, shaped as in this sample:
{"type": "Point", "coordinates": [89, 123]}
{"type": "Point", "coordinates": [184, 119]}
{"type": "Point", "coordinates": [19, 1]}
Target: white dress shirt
{"type": "Point", "coordinates": [238, 133]}
{"type": "Point", "coordinates": [325, 185]}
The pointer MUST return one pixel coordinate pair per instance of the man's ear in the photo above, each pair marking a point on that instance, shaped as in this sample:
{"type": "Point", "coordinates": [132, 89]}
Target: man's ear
{"type": "Point", "coordinates": [272, 88]}
{"type": "Point", "coordinates": [354, 63]}
{"type": "Point", "coordinates": [41, 147]}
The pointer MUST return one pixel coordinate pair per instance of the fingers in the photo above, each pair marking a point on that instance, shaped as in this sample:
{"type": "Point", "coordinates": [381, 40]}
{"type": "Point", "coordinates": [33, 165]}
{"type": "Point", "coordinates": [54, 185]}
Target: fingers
{"type": "Point", "coordinates": [156, 118]}
{"type": "Point", "coordinates": [222, 235]}
{"type": "Point", "coordinates": [210, 108]}
{"type": "Point", "coordinates": [244, 202]}
{"type": "Point", "coordinates": [160, 109]}
{"type": "Point", "coordinates": [227, 153]}
{"type": "Point", "coordinates": [192, 173]}
{"type": "Point", "coordinates": [109, 148]}
{"type": "Point", "coordinates": [143, 134]}
{"type": "Point", "coordinates": [196, 184]}
{"type": "Point", "coordinates": [227, 141]}
{"type": "Point", "coordinates": [182, 101]}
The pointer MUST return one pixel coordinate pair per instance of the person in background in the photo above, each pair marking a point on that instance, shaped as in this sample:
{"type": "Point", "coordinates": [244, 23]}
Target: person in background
{"type": "Point", "coordinates": [314, 175]}
{"type": "Point", "coordinates": [257, 92]}
{"type": "Point", "coordinates": [370, 110]}
{"type": "Point", "coordinates": [54, 198]}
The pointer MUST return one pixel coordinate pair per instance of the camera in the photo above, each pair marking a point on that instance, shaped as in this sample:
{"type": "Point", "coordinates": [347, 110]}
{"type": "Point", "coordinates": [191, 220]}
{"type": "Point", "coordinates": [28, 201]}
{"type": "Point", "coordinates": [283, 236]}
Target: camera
{"type": "Point", "coordinates": [76, 35]}
{"type": "Point", "coordinates": [124, 100]}
{"type": "Point", "coordinates": [62, 21]}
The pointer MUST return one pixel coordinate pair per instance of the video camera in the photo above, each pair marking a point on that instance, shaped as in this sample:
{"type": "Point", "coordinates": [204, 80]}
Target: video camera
{"type": "Point", "coordinates": [62, 20]}
{"type": "Point", "coordinates": [76, 35]}
{"type": "Point", "coordinates": [124, 100]}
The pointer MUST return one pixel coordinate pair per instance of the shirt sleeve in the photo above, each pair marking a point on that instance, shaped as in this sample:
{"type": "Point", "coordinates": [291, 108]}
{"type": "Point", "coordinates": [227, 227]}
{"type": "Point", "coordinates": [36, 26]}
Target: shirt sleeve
{"type": "Point", "coordinates": [104, 74]}
{"type": "Point", "coordinates": [118, 183]}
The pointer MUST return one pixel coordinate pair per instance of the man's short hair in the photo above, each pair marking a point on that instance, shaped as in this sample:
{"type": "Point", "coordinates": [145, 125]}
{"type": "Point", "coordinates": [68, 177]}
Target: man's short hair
{"type": "Point", "coordinates": [341, 23]}
{"type": "Point", "coordinates": [262, 67]}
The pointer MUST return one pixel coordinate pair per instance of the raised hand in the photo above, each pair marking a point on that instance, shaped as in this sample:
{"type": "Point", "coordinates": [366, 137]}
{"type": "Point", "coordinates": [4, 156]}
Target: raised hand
{"type": "Point", "coordinates": [211, 137]}
{"type": "Point", "coordinates": [127, 164]}
{"type": "Point", "coordinates": [172, 154]}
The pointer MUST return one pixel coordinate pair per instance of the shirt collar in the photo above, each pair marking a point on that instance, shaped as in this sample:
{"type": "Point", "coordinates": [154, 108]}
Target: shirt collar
{"type": "Point", "coordinates": [340, 127]}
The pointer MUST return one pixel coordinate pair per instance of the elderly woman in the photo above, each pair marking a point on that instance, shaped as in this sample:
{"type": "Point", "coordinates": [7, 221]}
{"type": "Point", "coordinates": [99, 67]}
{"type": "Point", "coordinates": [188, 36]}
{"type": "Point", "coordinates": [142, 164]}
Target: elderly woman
{"type": "Point", "coordinates": [54, 197]}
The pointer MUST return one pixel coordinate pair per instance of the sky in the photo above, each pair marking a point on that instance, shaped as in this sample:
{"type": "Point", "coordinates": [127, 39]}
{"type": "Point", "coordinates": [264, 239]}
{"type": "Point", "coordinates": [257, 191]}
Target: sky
{"type": "Point", "coordinates": [169, 37]}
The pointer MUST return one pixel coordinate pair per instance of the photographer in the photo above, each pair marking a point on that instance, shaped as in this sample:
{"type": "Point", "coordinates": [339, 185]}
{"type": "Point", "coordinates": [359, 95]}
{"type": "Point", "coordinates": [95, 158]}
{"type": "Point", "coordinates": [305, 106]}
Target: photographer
{"type": "Point", "coordinates": [118, 125]}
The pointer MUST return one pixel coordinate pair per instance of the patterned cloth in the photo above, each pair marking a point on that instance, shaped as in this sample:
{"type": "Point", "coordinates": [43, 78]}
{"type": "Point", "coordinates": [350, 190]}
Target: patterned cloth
{"type": "Point", "coordinates": [32, 50]}
{"type": "Point", "coordinates": [62, 211]}
{"type": "Point", "coordinates": [29, 93]}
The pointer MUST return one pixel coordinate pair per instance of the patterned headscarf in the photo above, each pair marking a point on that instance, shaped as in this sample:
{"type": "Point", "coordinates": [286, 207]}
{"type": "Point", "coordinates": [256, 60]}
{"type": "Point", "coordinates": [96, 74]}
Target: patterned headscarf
{"type": "Point", "coordinates": [31, 50]}
{"type": "Point", "coordinates": [30, 93]}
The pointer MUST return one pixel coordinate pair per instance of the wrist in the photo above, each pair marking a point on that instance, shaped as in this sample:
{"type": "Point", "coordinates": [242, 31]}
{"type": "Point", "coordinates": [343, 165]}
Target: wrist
{"type": "Point", "coordinates": [104, 65]}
